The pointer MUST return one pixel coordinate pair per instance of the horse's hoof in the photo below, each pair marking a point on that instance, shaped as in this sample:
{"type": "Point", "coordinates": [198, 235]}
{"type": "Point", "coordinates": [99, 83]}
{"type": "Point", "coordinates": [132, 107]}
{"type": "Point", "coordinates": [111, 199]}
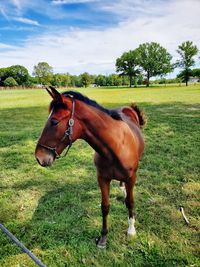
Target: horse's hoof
{"type": "Point", "coordinates": [101, 242]}
{"type": "Point", "coordinates": [131, 236]}
{"type": "Point", "coordinates": [131, 232]}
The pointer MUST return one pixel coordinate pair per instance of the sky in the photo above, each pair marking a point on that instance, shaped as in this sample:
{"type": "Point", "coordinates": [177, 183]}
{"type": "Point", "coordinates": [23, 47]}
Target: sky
{"type": "Point", "coordinates": [88, 35]}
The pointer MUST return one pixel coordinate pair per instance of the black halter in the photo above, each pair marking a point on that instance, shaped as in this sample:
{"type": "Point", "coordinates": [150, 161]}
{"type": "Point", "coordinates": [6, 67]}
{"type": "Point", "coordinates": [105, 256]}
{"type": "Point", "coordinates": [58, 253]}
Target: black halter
{"type": "Point", "coordinates": [68, 133]}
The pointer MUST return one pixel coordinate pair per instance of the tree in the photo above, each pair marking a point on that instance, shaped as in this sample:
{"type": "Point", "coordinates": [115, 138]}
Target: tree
{"type": "Point", "coordinates": [196, 73]}
{"type": "Point", "coordinates": [10, 82]}
{"type": "Point", "coordinates": [17, 72]}
{"type": "Point", "coordinates": [116, 79]}
{"type": "Point", "coordinates": [187, 50]}
{"type": "Point", "coordinates": [85, 79]}
{"type": "Point", "coordinates": [127, 64]}
{"type": "Point", "coordinates": [184, 74]}
{"type": "Point", "coordinates": [44, 72]}
{"type": "Point", "coordinates": [3, 75]}
{"type": "Point", "coordinates": [154, 60]}
{"type": "Point", "coordinates": [100, 80]}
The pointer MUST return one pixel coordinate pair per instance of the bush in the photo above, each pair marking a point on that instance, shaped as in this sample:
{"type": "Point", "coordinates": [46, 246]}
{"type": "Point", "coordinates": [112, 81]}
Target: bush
{"type": "Point", "coordinates": [10, 82]}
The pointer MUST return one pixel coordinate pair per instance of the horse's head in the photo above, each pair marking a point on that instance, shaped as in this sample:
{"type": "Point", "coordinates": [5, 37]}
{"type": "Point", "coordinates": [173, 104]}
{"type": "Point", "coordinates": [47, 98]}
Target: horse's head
{"type": "Point", "coordinates": [61, 129]}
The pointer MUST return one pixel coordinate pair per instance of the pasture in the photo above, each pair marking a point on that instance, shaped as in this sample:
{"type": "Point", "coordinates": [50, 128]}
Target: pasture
{"type": "Point", "coordinates": [56, 212]}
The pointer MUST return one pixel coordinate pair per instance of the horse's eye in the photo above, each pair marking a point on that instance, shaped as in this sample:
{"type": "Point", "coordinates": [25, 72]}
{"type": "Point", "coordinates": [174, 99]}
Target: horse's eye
{"type": "Point", "coordinates": [54, 122]}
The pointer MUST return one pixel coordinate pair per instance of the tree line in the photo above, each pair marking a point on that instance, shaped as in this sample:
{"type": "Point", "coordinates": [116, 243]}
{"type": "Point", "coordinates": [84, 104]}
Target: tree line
{"type": "Point", "coordinates": [134, 67]}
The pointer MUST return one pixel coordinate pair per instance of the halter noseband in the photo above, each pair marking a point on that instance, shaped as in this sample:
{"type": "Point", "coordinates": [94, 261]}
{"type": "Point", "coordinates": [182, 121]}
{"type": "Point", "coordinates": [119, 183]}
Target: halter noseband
{"type": "Point", "coordinates": [68, 133]}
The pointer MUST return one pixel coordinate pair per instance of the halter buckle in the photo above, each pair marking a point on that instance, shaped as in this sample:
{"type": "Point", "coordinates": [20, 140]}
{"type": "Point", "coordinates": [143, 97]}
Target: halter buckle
{"type": "Point", "coordinates": [71, 122]}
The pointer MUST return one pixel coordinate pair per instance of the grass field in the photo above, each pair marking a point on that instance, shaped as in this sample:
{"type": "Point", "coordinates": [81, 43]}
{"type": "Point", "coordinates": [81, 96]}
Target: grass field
{"type": "Point", "coordinates": [56, 213]}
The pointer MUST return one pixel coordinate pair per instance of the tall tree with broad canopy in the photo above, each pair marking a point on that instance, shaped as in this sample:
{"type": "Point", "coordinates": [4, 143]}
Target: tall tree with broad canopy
{"type": "Point", "coordinates": [187, 50]}
{"type": "Point", "coordinates": [127, 64]}
{"type": "Point", "coordinates": [154, 60]}
{"type": "Point", "coordinates": [44, 72]}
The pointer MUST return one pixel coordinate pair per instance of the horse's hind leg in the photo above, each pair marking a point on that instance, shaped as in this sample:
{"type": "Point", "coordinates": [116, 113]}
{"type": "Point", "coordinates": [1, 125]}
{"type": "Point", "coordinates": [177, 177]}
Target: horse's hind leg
{"type": "Point", "coordinates": [130, 205]}
{"type": "Point", "coordinates": [105, 188]}
{"type": "Point", "coordinates": [122, 188]}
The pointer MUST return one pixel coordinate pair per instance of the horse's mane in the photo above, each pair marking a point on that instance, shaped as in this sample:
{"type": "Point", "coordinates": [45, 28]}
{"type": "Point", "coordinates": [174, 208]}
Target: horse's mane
{"type": "Point", "coordinates": [113, 113]}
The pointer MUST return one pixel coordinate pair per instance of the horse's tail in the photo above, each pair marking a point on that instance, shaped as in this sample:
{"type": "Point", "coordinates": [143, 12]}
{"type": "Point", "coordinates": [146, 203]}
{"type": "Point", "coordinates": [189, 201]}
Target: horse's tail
{"type": "Point", "coordinates": [141, 115]}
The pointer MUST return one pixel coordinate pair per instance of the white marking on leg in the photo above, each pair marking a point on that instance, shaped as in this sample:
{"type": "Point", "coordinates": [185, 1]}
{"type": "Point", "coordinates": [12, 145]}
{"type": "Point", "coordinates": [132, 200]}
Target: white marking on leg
{"type": "Point", "coordinates": [131, 227]}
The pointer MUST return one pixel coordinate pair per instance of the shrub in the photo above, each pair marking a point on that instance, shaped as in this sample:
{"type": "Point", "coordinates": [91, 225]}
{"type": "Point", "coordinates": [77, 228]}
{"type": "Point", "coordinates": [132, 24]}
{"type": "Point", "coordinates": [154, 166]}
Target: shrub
{"type": "Point", "coordinates": [10, 82]}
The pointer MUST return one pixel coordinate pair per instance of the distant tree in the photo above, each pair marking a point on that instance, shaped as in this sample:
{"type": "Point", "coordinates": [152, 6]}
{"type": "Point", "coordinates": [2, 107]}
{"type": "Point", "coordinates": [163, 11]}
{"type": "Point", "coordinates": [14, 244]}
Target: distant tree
{"type": "Point", "coordinates": [125, 80]}
{"type": "Point", "coordinates": [100, 80]}
{"type": "Point", "coordinates": [44, 72]}
{"type": "Point", "coordinates": [187, 50]}
{"type": "Point", "coordinates": [140, 79]}
{"type": "Point", "coordinates": [154, 60]}
{"type": "Point", "coordinates": [3, 75]}
{"type": "Point", "coordinates": [85, 79]}
{"type": "Point", "coordinates": [61, 80]}
{"type": "Point", "coordinates": [65, 80]}
{"type": "Point", "coordinates": [56, 80]}
{"type": "Point", "coordinates": [127, 64]}
{"type": "Point", "coordinates": [10, 82]}
{"type": "Point", "coordinates": [183, 74]}
{"type": "Point", "coordinates": [116, 80]}
{"type": "Point", "coordinates": [108, 79]}
{"type": "Point", "coordinates": [196, 73]}
{"type": "Point", "coordinates": [17, 72]}
{"type": "Point", "coordinates": [76, 81]}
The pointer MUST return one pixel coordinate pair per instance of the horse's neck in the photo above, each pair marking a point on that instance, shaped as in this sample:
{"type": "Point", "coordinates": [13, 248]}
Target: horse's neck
{"type": "Point", "coordinates": [99, 131]}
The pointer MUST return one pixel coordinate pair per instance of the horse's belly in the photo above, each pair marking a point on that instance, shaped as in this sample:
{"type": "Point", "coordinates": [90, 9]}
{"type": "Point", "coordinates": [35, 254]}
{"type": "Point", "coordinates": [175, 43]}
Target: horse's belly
{"type": "Point", "coordinates": [113, 170]}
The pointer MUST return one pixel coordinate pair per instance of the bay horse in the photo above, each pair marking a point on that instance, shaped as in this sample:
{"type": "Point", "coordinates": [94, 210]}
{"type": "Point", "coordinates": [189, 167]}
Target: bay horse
{"type": "Point", "coordinates": [114, 134]}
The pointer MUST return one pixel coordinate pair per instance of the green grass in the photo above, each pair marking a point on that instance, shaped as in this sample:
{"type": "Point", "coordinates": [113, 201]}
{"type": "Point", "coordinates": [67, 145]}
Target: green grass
{"type": "Point", "coordinates": [55, 212]}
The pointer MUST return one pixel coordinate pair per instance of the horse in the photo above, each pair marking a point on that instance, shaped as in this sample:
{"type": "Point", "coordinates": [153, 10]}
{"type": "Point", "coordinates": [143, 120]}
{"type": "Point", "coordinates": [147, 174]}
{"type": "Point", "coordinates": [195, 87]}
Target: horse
{"type": "Point", "coordinates": [114, 134]}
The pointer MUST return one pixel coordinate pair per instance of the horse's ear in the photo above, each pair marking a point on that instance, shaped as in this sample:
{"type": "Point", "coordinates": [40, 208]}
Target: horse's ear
{"type": "Point", "coordinates": [49, 92]}
{"type": "Point", "coordinates": [54, 93]}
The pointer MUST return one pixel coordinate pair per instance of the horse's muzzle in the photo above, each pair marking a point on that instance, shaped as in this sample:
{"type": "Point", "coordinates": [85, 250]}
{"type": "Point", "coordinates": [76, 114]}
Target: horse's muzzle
{"type": "Point", "coordinates": [44, 157]}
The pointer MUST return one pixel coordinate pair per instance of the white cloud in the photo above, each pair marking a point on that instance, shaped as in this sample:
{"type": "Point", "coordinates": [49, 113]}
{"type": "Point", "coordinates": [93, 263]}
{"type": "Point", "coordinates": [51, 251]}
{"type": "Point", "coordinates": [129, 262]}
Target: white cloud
{"type": "Point", "coordinates": [26, 21]}
{"type": "Point", "coordinates": [64, 2]}
{"type": "Point", "coordinates": [2, 11]}
{"type": "Point", "coordinates": [76, 50]}
{"type": "Point", "coordinates": [6, 46]}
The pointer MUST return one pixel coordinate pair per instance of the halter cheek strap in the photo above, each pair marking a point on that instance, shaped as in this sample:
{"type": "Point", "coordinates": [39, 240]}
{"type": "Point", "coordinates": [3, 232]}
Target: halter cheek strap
{"type": "Point", "coordinates": [68, 134]}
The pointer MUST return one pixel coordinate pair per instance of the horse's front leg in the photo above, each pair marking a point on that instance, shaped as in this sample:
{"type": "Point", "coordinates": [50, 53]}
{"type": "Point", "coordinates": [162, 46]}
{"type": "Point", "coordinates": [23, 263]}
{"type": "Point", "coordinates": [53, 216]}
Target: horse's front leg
{"type": "Point", "coordinates": [105, 189]}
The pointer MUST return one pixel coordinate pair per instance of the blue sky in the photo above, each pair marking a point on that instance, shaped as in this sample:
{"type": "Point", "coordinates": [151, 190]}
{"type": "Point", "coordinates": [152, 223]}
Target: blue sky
{"type": "Point", "coordinates": [88, 35]}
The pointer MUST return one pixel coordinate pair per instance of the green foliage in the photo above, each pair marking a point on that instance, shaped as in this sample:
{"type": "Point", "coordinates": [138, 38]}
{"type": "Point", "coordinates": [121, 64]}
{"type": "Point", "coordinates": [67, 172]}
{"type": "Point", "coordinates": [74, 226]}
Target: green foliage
{"type": "Point", "coordinates": [100, 80]}
{"type": "Point", "coordinates": [154, 60]}
{"type": "Point", "coordinates": [43, 71]}
{"type": "Point", "coordinates": [127, 64]}
{"type": "Point", "coordinates": [3, 75]}
{"type": "Point", "coordinates": [196, 73]}
{"type": "Point", "coordinates": [187, 50]}
{"type": "Point", "coordinates": [17, 72]}
{"type": "Point", "coordinates": [85, 79]}
{"type": "Point", "coordinates": [76, 81]}
{"type": "Point", "coordinates": [61, 80]}
{"type": "Point", "coordinates": [185, 74]}
{"type": "Point", "coordinates": [10, 82]}
{"type": "Point", "coordinates": [166, 81]}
